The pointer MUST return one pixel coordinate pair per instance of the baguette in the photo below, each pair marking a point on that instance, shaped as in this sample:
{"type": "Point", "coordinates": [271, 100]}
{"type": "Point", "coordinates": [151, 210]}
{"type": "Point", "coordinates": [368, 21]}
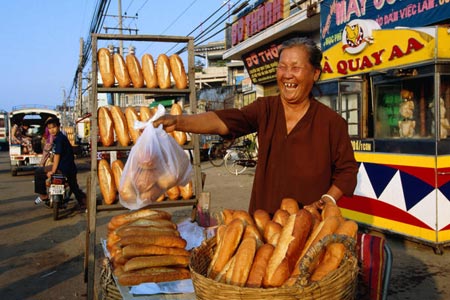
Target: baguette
{"type": "Point", "coordinates": [163, 71]}
{"type": "Point", "coordinates": [134, 250]}
{"type": "Point", "coordinates": [151, 214]}
{"type": "Point", "coordinates": [149, 221]}
{"type": "Point", "coordinates": [105, 126]}
{"type": "Point", "coordinates": [334, 252]}
{"type": "Point", "coordinates": [244, 259]}
{"type": "Point", "coordinates": [259, 266]}
{"type": "Point", "coordinates": [158, 240]}
{"type": "Point", "coordinates": [131, 116]}
{"type": "Point", "coordinates": [134, 69]}
{"type": "Point", "coordinates": [186, 191]}
{"type": "Point", "coordinates": [120, 125]}
{"type": "Point", "coordinates": [142, 262]}
{"type": "Point", "coordinates": [252, 230]}
{"type": "Point", "coordinates": [145, 113]}
{"type": "Point", "coordinates": [292, 239]}
{"type": "Point", "coordinates": [106, 66]}
{"type": "Point", "coordinates": [106, 182]}
{"type": "Point", "coordinates": [179, 136]}
{"type": "Point", "coordinates": [173, 193]}
{"type": "Point", "coordinates": [272, 232]}
{"type": "Point", "coordinates": [261, 217]}
{"type": "Point", "coordinates": [178, 72]}
{"type": "Point", "coordinates": [326, 227]}
{"type": "Point", "coordinates": [127, 192]}
{"type": "Point", "coordinates": [290, 205]}
{"type": "Point", "coordinates": [227, 216]}
{"type": "Point", "coordinates": [331, 210]}
{"type": "Point", "coordinates": [228, 245]}
{"type": "Point", "coordinates": [159, 274]}
{"type": "Point", "coordinates": [149, 71]}
{"type": "Point", "coordinates": [281, 217]}
{"type": "Point", "coordinates": [145, 231]}
{"type": "Point", "coordinates": [244, 216]}
{"type": "Point", "coordinates": [121, 71]}
{"type": "Point", "coordinates": [117, 168]}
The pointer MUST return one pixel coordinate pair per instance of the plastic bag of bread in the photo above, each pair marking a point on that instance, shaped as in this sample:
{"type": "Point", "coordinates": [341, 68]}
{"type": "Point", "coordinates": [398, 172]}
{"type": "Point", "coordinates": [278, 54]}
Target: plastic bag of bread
{"type": "Point", "coordinates": [156, 163]}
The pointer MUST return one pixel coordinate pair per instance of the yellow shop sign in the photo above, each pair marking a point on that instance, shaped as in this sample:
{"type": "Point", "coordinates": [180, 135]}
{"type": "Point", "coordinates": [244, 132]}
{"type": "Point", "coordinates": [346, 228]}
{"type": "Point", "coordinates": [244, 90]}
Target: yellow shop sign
{"type": "Point", "coordinates": [384, 49]}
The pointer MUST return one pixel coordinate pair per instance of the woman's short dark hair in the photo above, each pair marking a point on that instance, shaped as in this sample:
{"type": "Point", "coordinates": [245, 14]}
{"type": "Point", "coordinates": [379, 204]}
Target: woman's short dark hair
{"type": "Point", "coordinates": [52, 121]}
{"type": "Point", "coordinates": [315, 54]}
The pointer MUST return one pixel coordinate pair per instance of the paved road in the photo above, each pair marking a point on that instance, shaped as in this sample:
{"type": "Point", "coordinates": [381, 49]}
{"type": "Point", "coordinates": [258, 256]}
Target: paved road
{"type": "Point", "coordinates": [43, 259]}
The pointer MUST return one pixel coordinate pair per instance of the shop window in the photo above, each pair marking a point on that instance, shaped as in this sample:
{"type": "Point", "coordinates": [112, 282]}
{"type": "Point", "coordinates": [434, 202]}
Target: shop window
{"type": "Point", "coordinates": [345, 98]}
{"type": "Point", "coordinates": [404, 108]}
{"type": "Point", "coordinates": [444, 107]}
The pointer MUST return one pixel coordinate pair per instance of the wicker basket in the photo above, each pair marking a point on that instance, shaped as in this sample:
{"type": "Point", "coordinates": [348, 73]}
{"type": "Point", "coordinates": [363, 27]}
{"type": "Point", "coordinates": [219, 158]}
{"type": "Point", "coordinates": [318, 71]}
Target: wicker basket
{"type": "Point", "coordinates": [340, 284]}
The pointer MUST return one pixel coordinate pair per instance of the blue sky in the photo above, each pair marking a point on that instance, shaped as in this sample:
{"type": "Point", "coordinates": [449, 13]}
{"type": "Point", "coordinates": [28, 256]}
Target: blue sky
{"type": "Point", "coordinates": [41, 40]}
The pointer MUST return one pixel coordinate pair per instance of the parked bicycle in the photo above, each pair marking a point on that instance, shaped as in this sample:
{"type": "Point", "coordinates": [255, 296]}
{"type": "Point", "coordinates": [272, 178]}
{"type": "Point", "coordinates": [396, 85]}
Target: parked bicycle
{"type": "Point", "coordinates": [241, 157]}
{"type": "Point", "coordinates": [217, 151]}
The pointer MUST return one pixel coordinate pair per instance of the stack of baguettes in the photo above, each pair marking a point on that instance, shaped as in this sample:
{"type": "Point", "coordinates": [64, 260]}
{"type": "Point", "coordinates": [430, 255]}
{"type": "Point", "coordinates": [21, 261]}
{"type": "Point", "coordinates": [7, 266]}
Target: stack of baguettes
{"type": "Point", "coordinates": [130, 72]}
{"type": "Point", "coordinates": [145, 246]}
{"type": "Point", "coordinates": [263, 252]}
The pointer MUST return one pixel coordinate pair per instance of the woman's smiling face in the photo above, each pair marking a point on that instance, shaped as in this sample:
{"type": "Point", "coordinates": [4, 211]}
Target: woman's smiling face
{"type": "Point", "coordinates": [295, 74]}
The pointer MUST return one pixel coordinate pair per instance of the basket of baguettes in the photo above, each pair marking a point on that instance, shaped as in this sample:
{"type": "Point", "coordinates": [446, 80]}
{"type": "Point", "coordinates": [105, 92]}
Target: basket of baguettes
{"type": "Point", "coordinates": [296, 254]}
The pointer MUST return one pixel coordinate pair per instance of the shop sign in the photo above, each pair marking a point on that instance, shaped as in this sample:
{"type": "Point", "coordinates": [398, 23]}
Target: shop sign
{"type": "Point", "coordinates": [336, 14]}
{"type": "Point", "coordinates": [386, 48]}
{"type": "Point", "coordinates": [362, 146]}
{"type": "Point", "coordinates": [261, 64]}
{"type": "Point", "coordinates": [263, 15]}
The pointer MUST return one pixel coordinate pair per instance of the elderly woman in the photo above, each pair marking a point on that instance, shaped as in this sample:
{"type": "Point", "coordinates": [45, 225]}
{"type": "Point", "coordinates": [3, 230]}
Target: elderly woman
{"type": "Point", "coordinates": [304, 147]}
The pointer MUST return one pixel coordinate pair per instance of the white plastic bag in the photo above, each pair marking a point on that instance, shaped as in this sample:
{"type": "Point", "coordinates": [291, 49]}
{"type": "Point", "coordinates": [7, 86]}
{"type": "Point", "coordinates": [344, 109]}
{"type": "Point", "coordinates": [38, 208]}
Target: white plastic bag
{"type": "Point", "coordinates": [155, 164]}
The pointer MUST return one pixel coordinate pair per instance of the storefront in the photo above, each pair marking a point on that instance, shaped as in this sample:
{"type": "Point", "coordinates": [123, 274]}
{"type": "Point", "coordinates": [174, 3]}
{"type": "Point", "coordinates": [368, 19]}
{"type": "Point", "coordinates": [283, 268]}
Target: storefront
{"type": "Point", "coordinates": [391, 82]}
{"type": "Point", "coordinates": [392, 85]}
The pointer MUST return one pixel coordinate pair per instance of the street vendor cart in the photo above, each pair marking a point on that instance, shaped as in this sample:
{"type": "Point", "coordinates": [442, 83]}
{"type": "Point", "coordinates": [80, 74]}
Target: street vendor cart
{"type": "Point", "coordinates": [394, 91]}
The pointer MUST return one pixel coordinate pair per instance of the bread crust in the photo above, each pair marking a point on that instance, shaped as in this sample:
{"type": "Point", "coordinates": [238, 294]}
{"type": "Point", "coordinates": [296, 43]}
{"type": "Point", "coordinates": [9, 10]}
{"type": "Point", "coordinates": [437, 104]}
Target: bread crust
{"type": "Point", "coordinates": [163, 71]}
{"type": "Point", "coordinates": [259, 266]}
{"type": "Point", "coordinates": [149, 71]}
{"type": "Point", "coordinates": [105, 126]}
{"type": "Point", "coordinates": [227, 246]}
{"type": "Point", "coordinates": [106, 182]}
{"type": "Point", "coordinates": [159, 274]}
{"type": "Point", "coordinates": [106, 67]}
{"type": "Point", "coordinates": [121, 71]}
{"type": "Point", "coordinates": [117, 168]}
{"type": "Point", "coordinates": [134, 70]}
{"type": "Point", "coordinates": [131, 116]}
{"type": "Point", "coordinates": [120, 125]}
{"type": "Point", "coordinates": [178, 71]}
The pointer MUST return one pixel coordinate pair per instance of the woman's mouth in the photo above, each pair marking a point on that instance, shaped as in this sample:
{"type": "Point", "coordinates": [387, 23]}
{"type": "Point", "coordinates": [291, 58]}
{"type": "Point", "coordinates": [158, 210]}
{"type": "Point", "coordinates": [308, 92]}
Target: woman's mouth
{"type": "Point", "coordinates": [290, 85]}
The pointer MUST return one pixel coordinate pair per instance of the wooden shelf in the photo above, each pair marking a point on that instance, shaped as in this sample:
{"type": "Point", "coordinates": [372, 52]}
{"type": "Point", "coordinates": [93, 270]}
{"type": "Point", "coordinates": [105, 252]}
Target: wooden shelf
{"type": "Point", "coordinates": [192, 145]}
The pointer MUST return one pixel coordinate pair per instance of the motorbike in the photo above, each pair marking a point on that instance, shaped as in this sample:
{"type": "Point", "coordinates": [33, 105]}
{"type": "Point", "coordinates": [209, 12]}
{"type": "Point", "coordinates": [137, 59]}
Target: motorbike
{"type": "Point", "coordinates": [59, 194]}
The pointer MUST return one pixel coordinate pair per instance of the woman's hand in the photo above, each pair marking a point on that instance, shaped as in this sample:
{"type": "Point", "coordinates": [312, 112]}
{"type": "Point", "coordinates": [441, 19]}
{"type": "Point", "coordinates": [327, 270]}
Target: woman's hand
{"type": "Point", "coordinates": [320, 204]}
{"type": "Point", "coordinates": [169, 122]}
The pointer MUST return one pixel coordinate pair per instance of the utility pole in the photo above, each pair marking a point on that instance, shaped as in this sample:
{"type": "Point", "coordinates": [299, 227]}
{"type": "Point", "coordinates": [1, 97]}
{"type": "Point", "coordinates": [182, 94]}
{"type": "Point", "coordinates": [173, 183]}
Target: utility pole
{"type": "Point", "coordinates": [79, 110]}
{"type": "Point", "coordinates": [120, 26]}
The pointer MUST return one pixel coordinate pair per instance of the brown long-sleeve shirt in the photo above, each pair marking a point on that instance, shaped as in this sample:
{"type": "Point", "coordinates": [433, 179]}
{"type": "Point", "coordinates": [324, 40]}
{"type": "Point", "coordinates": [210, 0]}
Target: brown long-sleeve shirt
{"type": "Point", "coordinates": [302, 164]}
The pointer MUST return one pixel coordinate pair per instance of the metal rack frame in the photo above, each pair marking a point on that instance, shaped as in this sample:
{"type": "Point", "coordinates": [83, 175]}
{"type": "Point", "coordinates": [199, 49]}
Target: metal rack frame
{"type": "Point", "coordinates": [92, 181]}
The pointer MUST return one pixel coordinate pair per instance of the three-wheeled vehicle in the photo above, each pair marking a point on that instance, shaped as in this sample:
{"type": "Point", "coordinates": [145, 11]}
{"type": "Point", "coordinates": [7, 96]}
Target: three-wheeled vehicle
{"type": "Point", "coordinates": [33, 116]}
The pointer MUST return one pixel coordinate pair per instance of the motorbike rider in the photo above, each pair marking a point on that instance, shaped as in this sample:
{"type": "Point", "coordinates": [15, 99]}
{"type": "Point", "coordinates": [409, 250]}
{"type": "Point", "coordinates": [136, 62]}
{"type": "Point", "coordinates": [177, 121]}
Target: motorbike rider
{"type": "Point", "coordinates": [63, 162]}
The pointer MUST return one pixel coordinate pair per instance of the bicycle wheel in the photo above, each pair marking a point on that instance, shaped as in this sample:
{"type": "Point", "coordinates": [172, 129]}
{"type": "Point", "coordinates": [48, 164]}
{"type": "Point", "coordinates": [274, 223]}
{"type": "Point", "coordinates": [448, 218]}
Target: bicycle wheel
{"type": "Point", "coordinates": [215, 155]}
{"type": "Point", "coordinates": [231, 159]}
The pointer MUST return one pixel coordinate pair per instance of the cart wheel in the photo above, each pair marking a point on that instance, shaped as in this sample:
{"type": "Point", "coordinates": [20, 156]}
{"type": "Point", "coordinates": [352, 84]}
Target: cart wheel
{"type": "Point", "coordinates": [14, 171]}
